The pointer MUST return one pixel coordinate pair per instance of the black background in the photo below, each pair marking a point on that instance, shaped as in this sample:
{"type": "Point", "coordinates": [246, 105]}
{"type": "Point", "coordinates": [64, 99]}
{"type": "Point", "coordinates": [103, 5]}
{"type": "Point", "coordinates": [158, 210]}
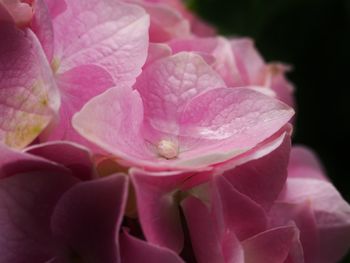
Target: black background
{"type": "Point", "coordinates": [314, 37]}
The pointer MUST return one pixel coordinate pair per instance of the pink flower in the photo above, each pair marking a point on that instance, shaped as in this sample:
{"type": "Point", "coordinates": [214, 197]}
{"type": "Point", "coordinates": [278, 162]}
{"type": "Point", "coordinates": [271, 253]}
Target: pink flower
{"type": "Point", "coordinates": [52, 210]}
{"type": "Point", "coordinates": [180, 115]}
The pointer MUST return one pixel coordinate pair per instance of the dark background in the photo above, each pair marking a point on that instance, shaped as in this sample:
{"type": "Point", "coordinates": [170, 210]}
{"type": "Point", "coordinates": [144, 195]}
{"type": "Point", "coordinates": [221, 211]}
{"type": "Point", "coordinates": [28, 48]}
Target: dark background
{"type": "Point", "coordinates": [314, 37]}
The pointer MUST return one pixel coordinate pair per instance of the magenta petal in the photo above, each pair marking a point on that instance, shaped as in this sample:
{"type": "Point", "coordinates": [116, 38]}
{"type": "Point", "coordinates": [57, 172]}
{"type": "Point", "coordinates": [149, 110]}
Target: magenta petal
{"type": "Point", "coordinates": [28, 94]}
{"type": "Point", "coordinates": [87, 219]}
{"type": "Point", "coordinates": [15, 162]}
{"type": "Point", "coordinates": [72, 156]}
{"type": "Point", "coordinates": [271, 246]}
{"type": "Point", "coordinates": [157, 207]}
{"type": "Point", "coordinates": [26, 203]}
{"type": "Point", "coordinates": [134, 250]}
{"type": "Point", "coordinates": [56, 7]}
{"type": "Point", "coordinates": [262, 179]}
{"type": "Point", "coordinates": [240, 214]}
{"type": "Point", "coordinates": [207, 242]}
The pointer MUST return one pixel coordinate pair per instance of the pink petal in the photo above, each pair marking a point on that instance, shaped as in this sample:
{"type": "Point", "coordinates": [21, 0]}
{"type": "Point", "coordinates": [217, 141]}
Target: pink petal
{"type": "Point", "coordinates": [28, 95]}
{"type": "Point", "coordinates": [240, 214]}
{"type": "Point", "coordinates": [332, 214]}
{"type": "Point", "coordinates": [219, 48]}
{"type": "Point", "coordinates": [42, 27]}
{"type": "Point", "coordinates": [55, 7]}
{"type": "Point", "coordinates": [262, 179]}
{"type": "Point", "coordinates": [77, 87]}
{"type": "Point", "coordinates": [166, 22]}
{"type": "Point", "coordinates": [134, 250]}
{"type": "Point", "coordinates": [168, 84]}
{"type": "Point", "coordinates": [72, 156]}
{"type": "Point", "coordinates": [112, 121]}
{"type": "Point", "coordinates": [303, 217]}
{"type": "Point", "coordinates": [109, 34]}
{"type": "Point", "coordinates": [21, 13]}
{"type": "Point", "coordinates": [226, 122]}
{"type": "Point", "coordinates": [207, 242]}
{"type": "Point", "coordinates": [271, 246]}
{"type": "Point", "coordinates": [249, 62]}
{"type": "Point", "coordinates": [27, 201]}
{"type": "Point", "coordinates": [87, 219]}
{"type": "Point", "coordinates": [157, 206]}
{"type": "Point", "coordinates": [279, 83]}
{"type": "Point", "coordinates": [157, 51]}
{"type": "Point", "coordinates": [305, 164]}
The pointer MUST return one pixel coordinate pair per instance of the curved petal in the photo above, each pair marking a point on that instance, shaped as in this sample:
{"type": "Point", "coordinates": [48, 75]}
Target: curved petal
{"type": "Point", "coordinates": [42, 27]}
{"type": "Point", "coordinates": [166, 22]}
{"type": "Point", "coordinates": [112, 121]}
{"type": "Point", "coordinates": [108, 33]}
{"type": "Point", "coordinates": [72, 156]}
{"type": "Point", "coordinates": [223, 123]}
{"type": "Point", "coordinates": [15, 162]}
{"type": "Point", "coordinates": [28, 94]}
{"type": "Point", "coordinates": [331, 211]}
{"type": "Point", "coordinates": [55, 7]}
{"type": "Point", "coordinates": [134, 250]}
{"type": "Point", "coordinates": [20, 11]}
{"type": "Point", "coordinates": [207, 242]}
{"type": "Point", "coordinates": [169, 84]}
{"type": "Point", "coordinates": [77, 87]}
{"type": "Point", "coordinates": [87, 218]}
{"type": "Point", "coordinates": [262, 179]}
{"type": "Point", "coordinates": [303, 217]}
{"type": "Point", "coordinates": [27, 202]}
{"type": "Point", "coordinates": [271, 246]}
{"type": "Point", "coordinates": [158, 208]}
{"type": "Point", "coordinates": [305, 164]}
{"type": "Point", "coordinates": [240, 214]}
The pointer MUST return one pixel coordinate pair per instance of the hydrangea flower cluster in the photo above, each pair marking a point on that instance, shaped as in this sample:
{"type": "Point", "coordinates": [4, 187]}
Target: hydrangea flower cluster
{"type": "Point", "coordinates": [131, 132]}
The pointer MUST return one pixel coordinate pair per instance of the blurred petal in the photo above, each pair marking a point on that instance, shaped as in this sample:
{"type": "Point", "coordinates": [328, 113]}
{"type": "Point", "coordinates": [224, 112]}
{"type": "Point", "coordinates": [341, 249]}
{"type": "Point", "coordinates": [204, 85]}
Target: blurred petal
{"type": "Point", "coordinates": [87, 219]}
{"type": "Point", "coordinates": [27, 201]}
{"type": "Point", "coordinates": [134, 250]}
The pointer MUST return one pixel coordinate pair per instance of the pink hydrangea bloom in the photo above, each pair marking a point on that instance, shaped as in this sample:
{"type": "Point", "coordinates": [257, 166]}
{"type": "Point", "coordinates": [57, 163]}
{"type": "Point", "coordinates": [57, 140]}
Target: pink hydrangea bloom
{"type": "Point", "coordinates": [180, 115]}
{"type": "Point", "coordinates": [174, 144]}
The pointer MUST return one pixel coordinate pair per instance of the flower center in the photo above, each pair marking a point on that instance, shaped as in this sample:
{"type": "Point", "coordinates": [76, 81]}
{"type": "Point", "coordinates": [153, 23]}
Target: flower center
{"type": "Point", "coordinates": [168, 149]}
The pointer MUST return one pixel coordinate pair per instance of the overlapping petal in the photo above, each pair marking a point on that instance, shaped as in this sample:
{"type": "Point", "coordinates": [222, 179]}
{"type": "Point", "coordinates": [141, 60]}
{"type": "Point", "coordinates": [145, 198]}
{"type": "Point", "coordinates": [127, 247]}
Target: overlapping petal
{"type": "Point", "coordinates": [178, 101]}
